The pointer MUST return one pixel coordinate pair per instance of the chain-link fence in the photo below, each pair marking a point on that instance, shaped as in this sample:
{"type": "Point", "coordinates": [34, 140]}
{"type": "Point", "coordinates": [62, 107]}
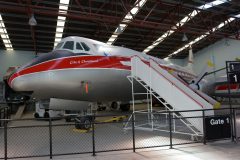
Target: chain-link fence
{"type": "Point", "coordinates": [4, 114]}
{"type": "Point", "coordinates": [66, 139]}
{"type": "Point", "coordinates": [2, 150]}
{"type": "Point", "coordinates": [50, 137]}
{"type": "Point", "coordinates": [27, 141]}
{"type": "Point", "coordinates": [237, 123]}
{"type": "Point", "coordinates": [151, 130]}
{"type": "Point", "coordinates": [110, 136]}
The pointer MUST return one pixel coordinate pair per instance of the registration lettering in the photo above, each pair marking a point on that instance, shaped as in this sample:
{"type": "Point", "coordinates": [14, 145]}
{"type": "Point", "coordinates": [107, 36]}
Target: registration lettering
{"type": "Point", "coordinates": [83, 61]}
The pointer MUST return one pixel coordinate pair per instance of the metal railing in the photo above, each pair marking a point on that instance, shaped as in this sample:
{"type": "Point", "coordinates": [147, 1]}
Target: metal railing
{"type": "Point", "coordinates": [4, 114]}
{"type": "Point", "coordinates": [24, 138]}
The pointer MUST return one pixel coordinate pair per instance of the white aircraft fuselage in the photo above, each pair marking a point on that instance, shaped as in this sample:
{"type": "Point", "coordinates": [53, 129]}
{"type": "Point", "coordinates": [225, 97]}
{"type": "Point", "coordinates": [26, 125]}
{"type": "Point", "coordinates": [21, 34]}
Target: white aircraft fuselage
{"type": "Point", "coordinates": [83, 69]}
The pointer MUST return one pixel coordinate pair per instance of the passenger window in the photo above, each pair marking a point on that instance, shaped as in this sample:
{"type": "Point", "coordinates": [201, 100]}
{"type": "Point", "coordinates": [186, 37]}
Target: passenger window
{"type": "Point", "coordinates": [78, 46]}
{"type": "Point", "coordinates": [59, 45]}
{"type": "Point", "coordinates": [69, 45]}
{"type": "Point", "coordinates": [86, 48]}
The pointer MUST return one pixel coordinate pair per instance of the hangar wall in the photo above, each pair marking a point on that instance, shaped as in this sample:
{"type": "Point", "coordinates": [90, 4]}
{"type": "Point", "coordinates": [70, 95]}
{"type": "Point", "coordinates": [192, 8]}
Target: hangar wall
{"type": "Point", "coordinates": [218, 53]}
{"type": "Point", "coordinates": [179, 62]}
{"type": "Point", "coordinates": [13, 58]}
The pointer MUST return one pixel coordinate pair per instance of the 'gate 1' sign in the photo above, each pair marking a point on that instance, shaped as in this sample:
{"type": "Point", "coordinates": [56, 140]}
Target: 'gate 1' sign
{"type": "Point", "coordinates": [218, 127]}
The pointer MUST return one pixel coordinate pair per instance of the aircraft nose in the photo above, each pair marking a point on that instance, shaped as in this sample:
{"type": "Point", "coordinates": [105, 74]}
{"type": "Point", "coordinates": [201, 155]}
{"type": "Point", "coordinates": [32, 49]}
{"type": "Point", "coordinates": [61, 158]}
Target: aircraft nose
{"type": "Point", "coordinates": [17, 82]}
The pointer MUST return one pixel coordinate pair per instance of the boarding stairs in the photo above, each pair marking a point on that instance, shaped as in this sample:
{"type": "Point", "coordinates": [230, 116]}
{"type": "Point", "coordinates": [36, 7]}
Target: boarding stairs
{"type": "Point", "coordinates": [177, 115]}
{"type": "Point", "coordinates": [175, 94]}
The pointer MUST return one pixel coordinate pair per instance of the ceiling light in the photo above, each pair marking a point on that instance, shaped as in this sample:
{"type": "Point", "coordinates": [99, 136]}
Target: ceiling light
{"type": "Point", "coordinates": [212, 4]}
{"type": "Point", "coordinates": [61, 18]}
{"type": "Point", "coordinates": [60, 23]}
{"type": "Point", "coordinates": [237, 16]}
{"type": "Point", "coordinates": [58, 35]}
{"type": "Point", "coordinates": [203, 36]}
{"type": "Point", "coordinates": [122, 25]}
{"type": "Point", "coordinates": [32, 21]}
{"type": "Point", "coordinates": [128, 18]}
{"type": "Point", "coordinates": [146, 50]}
{"type": "Point", "coordinates": [134, 10]}
{"type": "Point", "coordinates": [58, 39]}
{"type": "Point", "coordinates": [187, 18]}
{"type": "Point", "coordinates": [111, 39]}
{"type": "Point", "coordinates": [59, 29]}
{"type": "Point", "coordinates": [4, 35]}
{"type": "Point", "coordinates": [114, 36]}
{"type": "Point", "coordinates": [150, 47]}
{"type": "Point", "coordinates": [63, 8]}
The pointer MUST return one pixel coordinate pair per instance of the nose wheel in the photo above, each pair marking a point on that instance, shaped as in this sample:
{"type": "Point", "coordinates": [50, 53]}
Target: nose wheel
{"type": "Point", "coordinates": [83, 122]}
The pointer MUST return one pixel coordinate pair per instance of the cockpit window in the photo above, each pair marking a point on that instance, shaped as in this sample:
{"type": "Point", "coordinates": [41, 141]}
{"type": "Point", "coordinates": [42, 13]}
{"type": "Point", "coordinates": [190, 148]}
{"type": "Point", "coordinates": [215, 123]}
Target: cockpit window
{"type": "Point", "coordinates": [86, 48]}
{"type": "Point", "coordinates": [69, 45]}
{"type": "Point", "coordinates": [78, 46]}
{"type": "Point", "coordinates": [59, 45]}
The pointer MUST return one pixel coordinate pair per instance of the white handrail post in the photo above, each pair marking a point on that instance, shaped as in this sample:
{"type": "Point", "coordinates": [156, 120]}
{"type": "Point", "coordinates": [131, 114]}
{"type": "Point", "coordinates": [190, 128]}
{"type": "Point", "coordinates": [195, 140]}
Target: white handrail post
{"type": "Point", "coordinates": [151, 93]}
{"type": "Point", "coordinates": [174, 123]}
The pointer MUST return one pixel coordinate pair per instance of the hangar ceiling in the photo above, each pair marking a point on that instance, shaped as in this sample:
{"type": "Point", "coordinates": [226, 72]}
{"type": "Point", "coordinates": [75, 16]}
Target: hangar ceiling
{"type": "Point", "coordinates": [98, 19]}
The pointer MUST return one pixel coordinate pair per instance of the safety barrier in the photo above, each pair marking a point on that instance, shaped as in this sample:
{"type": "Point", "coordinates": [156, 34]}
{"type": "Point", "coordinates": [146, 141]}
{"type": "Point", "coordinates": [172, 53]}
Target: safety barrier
{"type": "Point", "coordinates": [53, 137]}
{"type": "Point", "coordinates": [4, 114]}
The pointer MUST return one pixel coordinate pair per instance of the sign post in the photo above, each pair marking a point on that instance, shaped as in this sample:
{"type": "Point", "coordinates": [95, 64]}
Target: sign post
{"type": "Point", "coordinates": [233, 77]}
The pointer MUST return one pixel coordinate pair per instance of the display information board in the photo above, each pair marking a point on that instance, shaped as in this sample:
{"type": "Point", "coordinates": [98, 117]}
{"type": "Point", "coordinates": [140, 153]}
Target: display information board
{"type": "Point", "coordinates": [233, 71]}
{"type": "Point", "coordinates": [218, 127]}
{"type": "Point", "coordinates": [234, 77]}
{"type": "Point", "coordinates": [234, 66]}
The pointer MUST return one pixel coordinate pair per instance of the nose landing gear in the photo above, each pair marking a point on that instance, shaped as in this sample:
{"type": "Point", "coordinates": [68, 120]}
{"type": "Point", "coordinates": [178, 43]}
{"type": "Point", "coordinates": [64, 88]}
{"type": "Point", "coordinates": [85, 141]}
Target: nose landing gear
{"type": "Point", "coordinates": [83, 122]}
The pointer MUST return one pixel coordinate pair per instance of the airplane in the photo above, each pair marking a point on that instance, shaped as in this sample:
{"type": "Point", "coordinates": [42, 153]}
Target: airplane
{"type": "Point", "coordinates": [221, 89]}
{"type": "Point", "coordinates": [86, 70]}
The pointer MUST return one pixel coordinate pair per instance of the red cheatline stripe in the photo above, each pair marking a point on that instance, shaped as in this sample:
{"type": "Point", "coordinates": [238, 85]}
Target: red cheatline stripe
{"type": "Point", "coordinates": [225, 86]}
{"type": "Point", "coordinates": [75, 62]}
{"type": "Point", "coordinates": [79, 62]}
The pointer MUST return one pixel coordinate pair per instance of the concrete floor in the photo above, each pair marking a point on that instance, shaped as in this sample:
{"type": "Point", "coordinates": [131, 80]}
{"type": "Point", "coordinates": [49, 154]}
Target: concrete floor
{"type": "Point", "coordinates": [224, 150]}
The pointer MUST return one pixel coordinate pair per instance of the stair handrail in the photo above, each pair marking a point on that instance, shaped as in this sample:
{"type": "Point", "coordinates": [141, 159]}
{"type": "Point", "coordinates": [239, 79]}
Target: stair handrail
{"type": "Point", "coordinates": [148, 63]}
{"type": "Point", "coordinates": [195, 91]}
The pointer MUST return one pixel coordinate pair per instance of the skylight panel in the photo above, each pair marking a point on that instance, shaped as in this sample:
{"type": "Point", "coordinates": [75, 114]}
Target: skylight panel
{"type": "Point", "coordinates": [63, 8]}
{"type": "Point", "coordinates": [127, 19]}
{"type": "Point", "coordinates": [134, 10]}
{"type": "Point", "coordinates": [212, 4]}
{"type": "Point", "coordinates": [111, 39]}
{"type": "Point", "coordinates": [59, 30]}
{"type": "Point", "coordinates": [203, 36]}
{"type": "Point", "coordinates": [4, 35]}
{"type": "Point", "coordinates": [60, 23]}
{"type": "Point", "coordinates": [186, 19]}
